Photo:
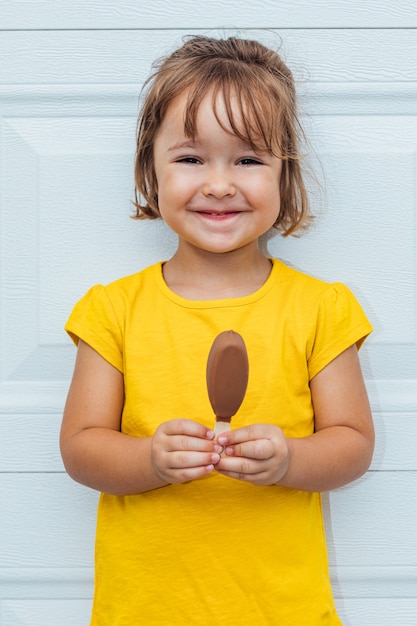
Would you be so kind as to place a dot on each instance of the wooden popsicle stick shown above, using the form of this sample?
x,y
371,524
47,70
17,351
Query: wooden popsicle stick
x,y
221,427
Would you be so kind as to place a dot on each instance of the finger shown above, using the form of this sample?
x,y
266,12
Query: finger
x,y
189,474
240,466
240,435
187,427
261,449
186,460
185,443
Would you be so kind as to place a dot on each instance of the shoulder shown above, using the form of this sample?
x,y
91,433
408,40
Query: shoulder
x,y
122,293
99,317
295,279
145,278
298,283
113,300
317,301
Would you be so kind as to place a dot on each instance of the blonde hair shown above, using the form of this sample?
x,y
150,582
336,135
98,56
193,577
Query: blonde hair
x,y
266,102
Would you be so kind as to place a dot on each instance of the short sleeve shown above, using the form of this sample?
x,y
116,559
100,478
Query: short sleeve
x,y
93,319
341,322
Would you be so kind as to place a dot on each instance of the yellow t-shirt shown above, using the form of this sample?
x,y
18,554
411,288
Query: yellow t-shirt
x,y
215,551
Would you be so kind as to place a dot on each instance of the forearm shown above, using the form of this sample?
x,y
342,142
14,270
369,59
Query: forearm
x,y
327,459
110,461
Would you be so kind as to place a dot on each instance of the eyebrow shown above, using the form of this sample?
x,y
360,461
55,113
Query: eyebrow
x,y
189,143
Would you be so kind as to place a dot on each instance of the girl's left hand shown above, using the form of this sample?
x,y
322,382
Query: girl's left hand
x,y
258,454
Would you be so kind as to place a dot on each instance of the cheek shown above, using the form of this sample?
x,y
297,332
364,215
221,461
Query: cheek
x,y
273,201
270,189
163,187
171,196
176,188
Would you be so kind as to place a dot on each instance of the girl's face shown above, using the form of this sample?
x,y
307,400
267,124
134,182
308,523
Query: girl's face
x,y
214,191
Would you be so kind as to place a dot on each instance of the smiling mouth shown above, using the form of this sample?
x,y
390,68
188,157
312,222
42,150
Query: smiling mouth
x,y
218,214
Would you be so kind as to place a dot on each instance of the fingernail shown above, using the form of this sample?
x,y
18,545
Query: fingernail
x,y
218,449
215,458
210,434
222,440
229,451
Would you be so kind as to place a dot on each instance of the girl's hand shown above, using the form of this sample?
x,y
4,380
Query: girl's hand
x,y
183,450
258,454
339,450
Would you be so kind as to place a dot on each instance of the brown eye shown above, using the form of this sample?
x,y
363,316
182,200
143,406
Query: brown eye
x,y
250,161
191,160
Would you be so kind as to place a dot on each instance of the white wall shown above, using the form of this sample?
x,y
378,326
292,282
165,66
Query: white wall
x,y
70,74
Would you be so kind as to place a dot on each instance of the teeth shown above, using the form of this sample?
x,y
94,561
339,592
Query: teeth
x,y
216,213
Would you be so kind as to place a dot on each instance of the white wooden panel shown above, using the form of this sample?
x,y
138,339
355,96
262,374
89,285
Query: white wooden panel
x,y
35,398
366,523
388,612
36,582
398,581
30,443
395,437
209,14
79,57
50,522
31,612
359,98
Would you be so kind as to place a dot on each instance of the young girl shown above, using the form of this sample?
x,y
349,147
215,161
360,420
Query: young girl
x,y
193,529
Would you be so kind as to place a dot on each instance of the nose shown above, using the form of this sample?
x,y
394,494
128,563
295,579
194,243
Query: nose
x,y
219,183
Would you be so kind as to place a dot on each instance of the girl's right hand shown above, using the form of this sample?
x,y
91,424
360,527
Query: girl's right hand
x,y
183,450
97,454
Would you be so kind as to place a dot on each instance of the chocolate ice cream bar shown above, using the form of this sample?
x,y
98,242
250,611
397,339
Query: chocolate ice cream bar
x,y
227,377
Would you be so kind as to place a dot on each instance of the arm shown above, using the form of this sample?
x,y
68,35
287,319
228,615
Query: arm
x,y
339,451
97,454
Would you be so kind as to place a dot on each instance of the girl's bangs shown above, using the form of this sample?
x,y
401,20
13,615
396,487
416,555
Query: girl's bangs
x,y
252,118
250,114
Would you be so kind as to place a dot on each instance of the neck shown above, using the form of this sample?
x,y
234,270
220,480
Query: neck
x,y
203,275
